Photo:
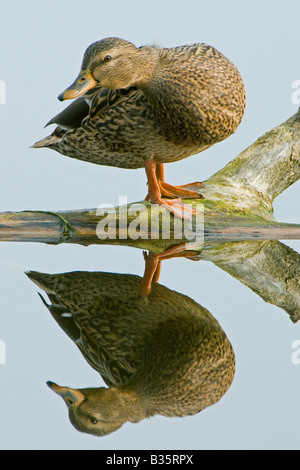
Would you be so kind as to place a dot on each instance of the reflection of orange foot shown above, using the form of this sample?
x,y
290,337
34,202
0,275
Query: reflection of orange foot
x,y
153,264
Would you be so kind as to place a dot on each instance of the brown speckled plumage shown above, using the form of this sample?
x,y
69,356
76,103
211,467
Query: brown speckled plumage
x,y
164,354
172,103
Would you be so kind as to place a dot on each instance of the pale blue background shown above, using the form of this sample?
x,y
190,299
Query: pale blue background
x,y
42,44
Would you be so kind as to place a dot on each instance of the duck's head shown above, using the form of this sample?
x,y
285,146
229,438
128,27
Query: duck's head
x,y
112,63
99,411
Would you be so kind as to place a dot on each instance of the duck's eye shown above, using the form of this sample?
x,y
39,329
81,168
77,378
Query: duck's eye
x,y
93,421
107,58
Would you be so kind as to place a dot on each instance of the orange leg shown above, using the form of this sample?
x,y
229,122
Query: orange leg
x,y
187,191
158,188
153,265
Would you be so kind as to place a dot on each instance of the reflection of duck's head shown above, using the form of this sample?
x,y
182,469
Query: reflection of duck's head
x,y
161,355
99,411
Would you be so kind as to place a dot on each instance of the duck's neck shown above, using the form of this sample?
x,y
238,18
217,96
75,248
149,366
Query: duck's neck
x,y
135,406
147,67
130,404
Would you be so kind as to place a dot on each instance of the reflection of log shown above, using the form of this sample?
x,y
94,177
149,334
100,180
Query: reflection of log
x,y
270,268
237,204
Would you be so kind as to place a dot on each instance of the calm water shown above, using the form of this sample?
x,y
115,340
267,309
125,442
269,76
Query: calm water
x,y
251,289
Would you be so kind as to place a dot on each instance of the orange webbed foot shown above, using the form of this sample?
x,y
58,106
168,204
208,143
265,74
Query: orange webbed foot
x,y
176,207
186,192
158,189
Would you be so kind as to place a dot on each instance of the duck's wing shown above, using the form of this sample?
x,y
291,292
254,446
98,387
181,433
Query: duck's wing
x,y
115,369
85,321
92,104
104,98
87,107
72,116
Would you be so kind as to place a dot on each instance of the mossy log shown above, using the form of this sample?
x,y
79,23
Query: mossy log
x,y
237,204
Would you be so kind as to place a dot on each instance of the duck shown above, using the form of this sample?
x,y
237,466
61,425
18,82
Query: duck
x,y
142,107
161,355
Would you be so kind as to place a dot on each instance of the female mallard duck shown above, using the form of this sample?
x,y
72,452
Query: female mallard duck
x,y
165,356
146,106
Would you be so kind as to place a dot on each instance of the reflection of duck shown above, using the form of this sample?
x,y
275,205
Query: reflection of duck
x,y
164,354
148,106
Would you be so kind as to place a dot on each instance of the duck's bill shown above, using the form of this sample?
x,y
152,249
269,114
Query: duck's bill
x,y
71,396
83,83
